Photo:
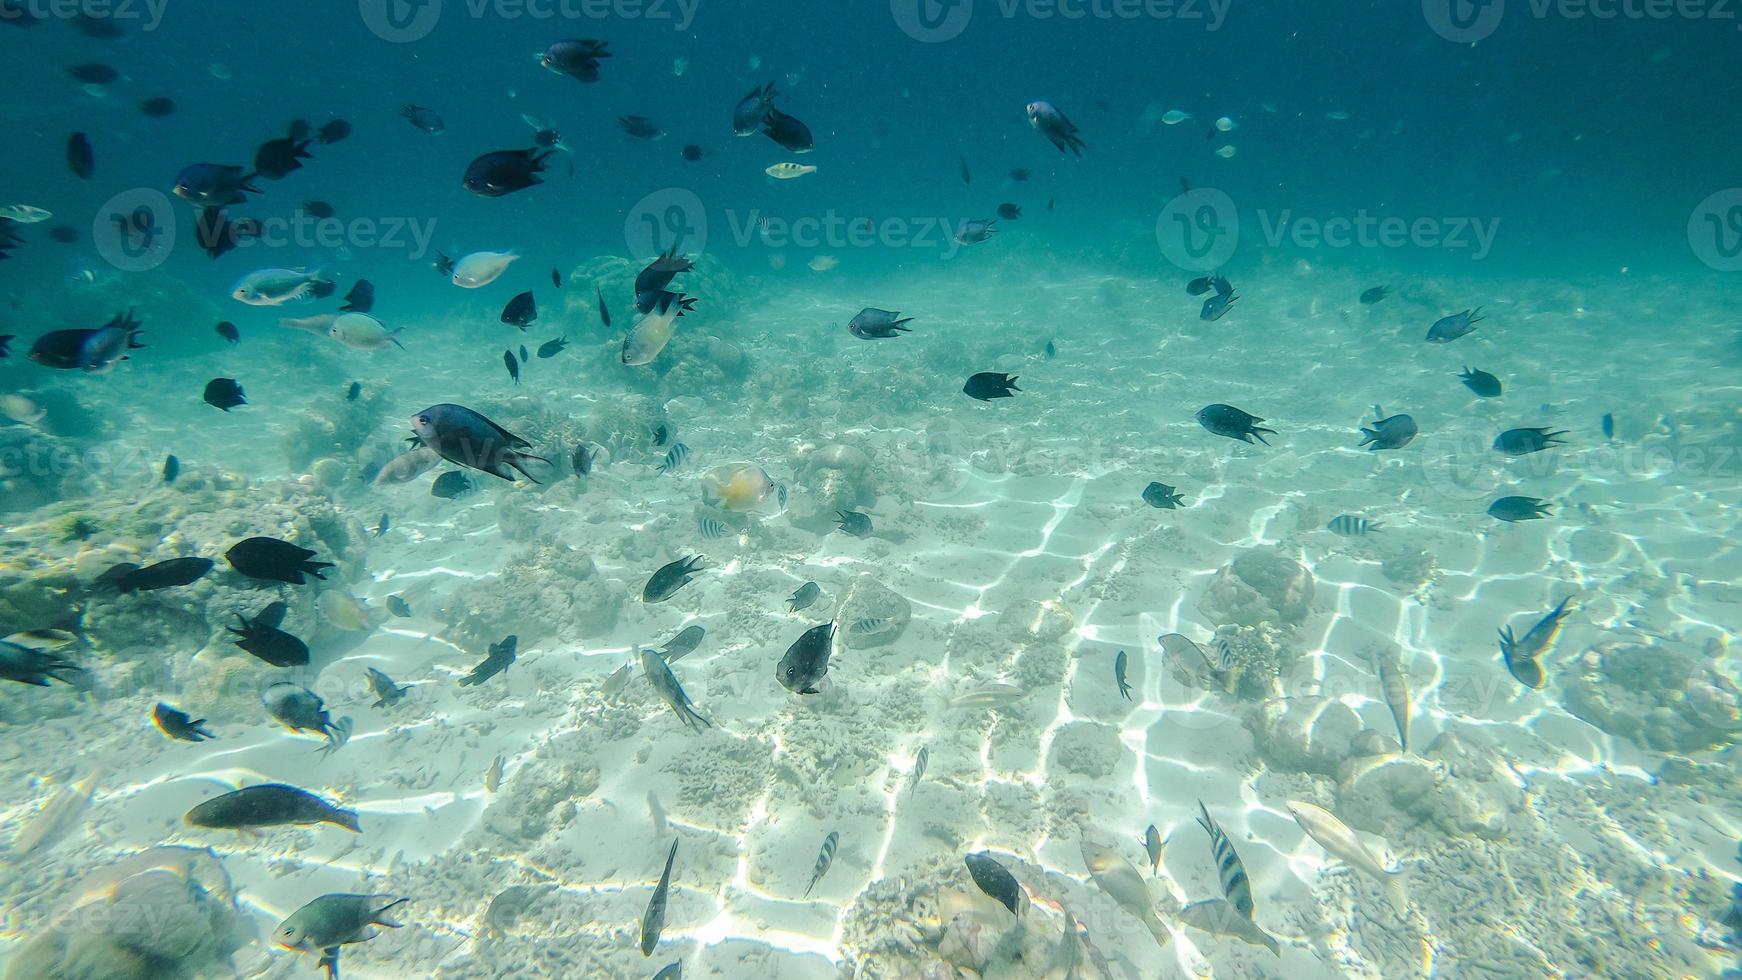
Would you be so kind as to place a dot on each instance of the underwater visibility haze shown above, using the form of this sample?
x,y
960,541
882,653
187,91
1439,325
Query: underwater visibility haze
x,y
909,490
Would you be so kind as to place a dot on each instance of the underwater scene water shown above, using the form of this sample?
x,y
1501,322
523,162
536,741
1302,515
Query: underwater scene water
x,y
914,489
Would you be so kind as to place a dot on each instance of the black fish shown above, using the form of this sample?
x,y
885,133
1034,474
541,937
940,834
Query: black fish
x,y
334,131
513,365
578,59
520,311
1388,433
228,331
1009,212
81,159
604,313
988,385
1051,350
171,469
1019,175
424,119
95,73
501,656
28,665
1052,124
1375,294
279,158
1514,509
158,107
382,527
460,435
582,461
1201,285
1161,495
504,172
995,880
261,637
6,340
524,356
556,278
1226,420
1609,426
748,114
1485,385
653,920
804,597
639,127
217,234
224,393
164,575
967,178
361,298
398,607
807,661
792,134
651,281
661,434
269,805
692,152
451,485
852,522
178,724
1119,663
387,693
113,576
1522,442
272,560
354,392
672,576
874,324
90,349
214,184
552,348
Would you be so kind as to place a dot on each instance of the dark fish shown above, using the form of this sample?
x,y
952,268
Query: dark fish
x,y
807,661
665,683
1161,495
272,560
1374,295
398,607
179,725
578,59
1449,328
513,365
424,119
711,528
692,152
1522,442
805,597
548,139
661,433
651,281
158,107
674,458
361,298
748,114
460,435
640,127
165,574
1394,432
214,184
6,340
653,920
228,331
1201,285
1217,306
852,522
1513,509
444,266
552,348
224,393
95,73
501,656
302,710
333,131
331,921
81,159
279,158
1229,868
1609,427
520,311
683,644
671,577
94,351
995,880
1485,385
261,637
1050,350
383,526
65,234
1226,420
301,129
604,313
103,28
524,356
1522,655
1119,663
1009,212
504,172
790,133
825,857
1052,124
1349,526
967,178
269,805
988,385
354,392
556,278
171,469
1019,175
582,461
28,665
451,485
217,234
875,324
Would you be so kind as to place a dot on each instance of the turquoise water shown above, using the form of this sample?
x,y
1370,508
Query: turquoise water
x,y
1310,661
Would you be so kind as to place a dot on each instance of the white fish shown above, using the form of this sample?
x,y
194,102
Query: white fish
x,y
275,287
1218,917
320,323
1226,152
1225,125
1396,688
345,611
1335,836
990,696
1124,884
823,263
220,71
755,62
653,330
21,409
679,66
57,815
407,466
481,268
1337,116
360,331
24,214
1173,117
493,775
788,170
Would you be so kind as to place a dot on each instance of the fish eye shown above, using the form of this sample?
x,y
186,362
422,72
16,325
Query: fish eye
x,y
423,420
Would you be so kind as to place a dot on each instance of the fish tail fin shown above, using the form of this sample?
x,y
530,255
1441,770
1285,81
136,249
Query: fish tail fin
x,y
514,459
394,336
1396,886
347,819
381,917
897,325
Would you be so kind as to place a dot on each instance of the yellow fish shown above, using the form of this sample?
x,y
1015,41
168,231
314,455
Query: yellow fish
x,y
787,171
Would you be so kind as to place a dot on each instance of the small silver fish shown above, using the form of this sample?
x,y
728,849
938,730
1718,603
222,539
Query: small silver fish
x,y
825,857
990,696
670,691
493,775
1155,846
1396,688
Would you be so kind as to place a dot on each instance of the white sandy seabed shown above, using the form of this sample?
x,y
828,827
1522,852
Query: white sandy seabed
x,y
1015,533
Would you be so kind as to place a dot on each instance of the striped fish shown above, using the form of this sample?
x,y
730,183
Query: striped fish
x,y
1224,655
919,762
712,528
1234,882
780,494
865,627
1349,526
675,457
825,857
